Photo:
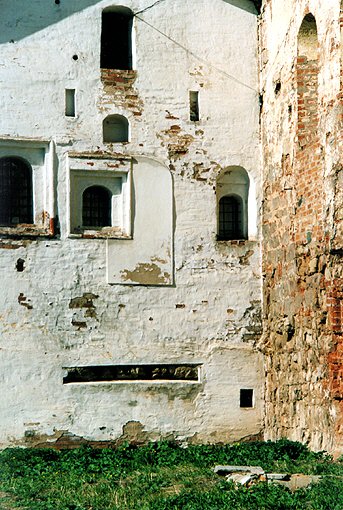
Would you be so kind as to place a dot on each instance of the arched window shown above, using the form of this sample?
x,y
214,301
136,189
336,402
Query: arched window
x,y
307,82
230,218
15,192
232,204
115,129
96,207
116,38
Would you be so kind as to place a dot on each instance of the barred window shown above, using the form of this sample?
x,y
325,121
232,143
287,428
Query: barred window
x,y
16,203
96,207
230,218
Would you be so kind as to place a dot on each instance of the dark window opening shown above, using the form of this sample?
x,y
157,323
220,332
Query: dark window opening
x,y
109,373
246,398
116,40
96,207
230,218
194,106
16,204
115,129
70,102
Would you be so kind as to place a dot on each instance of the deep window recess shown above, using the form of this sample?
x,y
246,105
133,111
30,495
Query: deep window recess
x,y
230,218
108,373
96,207
15,192
116,39
194,106
246,398
115,129
70,102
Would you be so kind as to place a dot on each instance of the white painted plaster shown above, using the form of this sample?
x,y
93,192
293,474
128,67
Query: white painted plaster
x,y
204,314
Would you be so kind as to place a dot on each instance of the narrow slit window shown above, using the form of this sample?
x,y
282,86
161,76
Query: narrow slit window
x,y
96,207
116,39
246,398
194,106
16,201
115,373
70,102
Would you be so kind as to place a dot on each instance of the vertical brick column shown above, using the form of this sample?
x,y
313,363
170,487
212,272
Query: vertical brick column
x,y
309,178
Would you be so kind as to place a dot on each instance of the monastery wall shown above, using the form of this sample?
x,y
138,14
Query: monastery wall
x,y
146,328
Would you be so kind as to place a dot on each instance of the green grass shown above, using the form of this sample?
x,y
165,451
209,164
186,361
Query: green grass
x,y
163,476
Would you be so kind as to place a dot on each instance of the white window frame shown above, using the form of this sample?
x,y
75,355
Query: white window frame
x,y
39,153
111,173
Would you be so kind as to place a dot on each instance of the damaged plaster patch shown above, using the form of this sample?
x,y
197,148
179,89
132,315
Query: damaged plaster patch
x,y
253,330
177,143
85,301
146,274
24,301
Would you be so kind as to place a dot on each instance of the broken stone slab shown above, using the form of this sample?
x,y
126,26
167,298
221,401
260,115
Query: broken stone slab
x,y
298,481
242,479
277,476
226,470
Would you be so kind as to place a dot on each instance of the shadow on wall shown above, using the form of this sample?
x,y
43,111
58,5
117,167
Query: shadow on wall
x,y
22,18
253,6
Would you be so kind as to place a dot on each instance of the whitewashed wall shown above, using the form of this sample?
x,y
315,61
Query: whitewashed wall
x,y
208,309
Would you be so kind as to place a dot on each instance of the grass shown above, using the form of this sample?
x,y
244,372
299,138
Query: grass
x,y
164,476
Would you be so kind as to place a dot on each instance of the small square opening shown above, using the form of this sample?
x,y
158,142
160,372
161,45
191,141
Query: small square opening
x,y
246,398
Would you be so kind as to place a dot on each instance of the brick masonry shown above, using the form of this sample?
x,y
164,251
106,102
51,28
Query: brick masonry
x,y
302,232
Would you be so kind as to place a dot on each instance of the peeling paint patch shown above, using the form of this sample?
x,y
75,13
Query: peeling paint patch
x,y
146,274
85,301
244,259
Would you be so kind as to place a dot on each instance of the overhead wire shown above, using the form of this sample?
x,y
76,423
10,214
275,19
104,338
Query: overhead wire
x,y
190,52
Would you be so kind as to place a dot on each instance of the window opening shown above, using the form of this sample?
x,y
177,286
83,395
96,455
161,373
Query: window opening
x,y
70,102
116,39
194,106
16,204
107,373
230,218
246,398
115,129
96,207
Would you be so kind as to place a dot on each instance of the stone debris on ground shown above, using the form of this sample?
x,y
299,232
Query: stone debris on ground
x,y
250,475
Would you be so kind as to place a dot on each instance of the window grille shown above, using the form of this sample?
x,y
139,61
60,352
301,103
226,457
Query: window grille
x,y
96,207
230,218
16,204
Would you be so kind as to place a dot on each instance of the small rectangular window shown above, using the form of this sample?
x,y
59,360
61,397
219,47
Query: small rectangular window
x,y
194,106
246,398
70,103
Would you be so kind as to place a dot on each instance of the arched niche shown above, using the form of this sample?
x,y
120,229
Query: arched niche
x,y
307,71
147,259
115,129
308,38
